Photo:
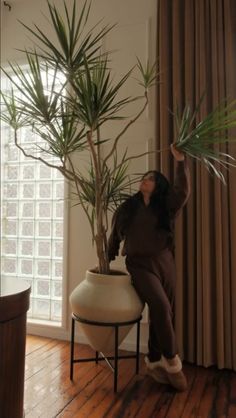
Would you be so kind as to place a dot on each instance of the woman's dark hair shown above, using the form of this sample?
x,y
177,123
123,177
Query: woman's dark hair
x,y
157,202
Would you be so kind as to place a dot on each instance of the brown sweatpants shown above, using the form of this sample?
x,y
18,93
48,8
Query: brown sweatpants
x,y
154,279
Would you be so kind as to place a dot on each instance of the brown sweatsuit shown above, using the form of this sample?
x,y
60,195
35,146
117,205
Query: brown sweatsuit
x,y
150,262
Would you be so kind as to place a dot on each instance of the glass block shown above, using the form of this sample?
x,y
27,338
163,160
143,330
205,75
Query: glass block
x,y
11,209
12,173
59,190
44,210
44,248
9,246
27,209
58,175
58,229
28,190
26,135
45,191
10,227
59,208
11,191
9,265
27,247
41,308
7,133
44,229
4,192
43,268
56,310
57,289
26,267
28,172
3,209
43,288
27,228
28,280
58,269
13,154
58,249
45,172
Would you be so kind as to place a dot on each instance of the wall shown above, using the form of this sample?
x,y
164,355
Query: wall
x,y
134,34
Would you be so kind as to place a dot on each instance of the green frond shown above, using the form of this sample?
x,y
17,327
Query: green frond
x,y
11,113
72,43
202,140
95,97
149,74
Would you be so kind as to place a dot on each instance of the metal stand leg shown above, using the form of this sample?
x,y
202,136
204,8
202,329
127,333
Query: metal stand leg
x,y
137,347
99,355
116,358
72,348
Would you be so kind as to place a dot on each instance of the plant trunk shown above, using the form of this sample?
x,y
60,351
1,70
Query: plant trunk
x,y
101,233
103,261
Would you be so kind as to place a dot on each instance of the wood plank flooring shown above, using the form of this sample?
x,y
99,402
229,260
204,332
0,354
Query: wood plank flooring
x,y
49,392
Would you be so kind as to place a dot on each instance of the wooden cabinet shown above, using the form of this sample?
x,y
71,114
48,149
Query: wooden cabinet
x,y
14,303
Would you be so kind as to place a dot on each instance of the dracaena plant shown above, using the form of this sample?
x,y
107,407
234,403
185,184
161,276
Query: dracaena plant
x,y
69,113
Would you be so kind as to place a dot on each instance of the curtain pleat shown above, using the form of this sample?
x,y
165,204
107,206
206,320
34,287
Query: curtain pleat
x,y
196,52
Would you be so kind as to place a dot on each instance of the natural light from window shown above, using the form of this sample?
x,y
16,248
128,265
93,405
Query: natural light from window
x,y
32,210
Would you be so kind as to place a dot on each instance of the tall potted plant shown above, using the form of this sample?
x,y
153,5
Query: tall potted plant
x,y
68,116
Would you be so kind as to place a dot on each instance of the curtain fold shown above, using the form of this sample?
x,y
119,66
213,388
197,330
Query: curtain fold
x,y
196,52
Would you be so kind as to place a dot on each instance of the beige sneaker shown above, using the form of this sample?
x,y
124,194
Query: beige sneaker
x,y
156,370
174,374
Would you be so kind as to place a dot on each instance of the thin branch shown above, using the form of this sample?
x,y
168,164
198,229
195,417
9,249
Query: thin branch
x,y
125,129
99,149
138,156
36,158
97,173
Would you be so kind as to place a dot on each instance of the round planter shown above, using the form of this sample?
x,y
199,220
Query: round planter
x,y
105,298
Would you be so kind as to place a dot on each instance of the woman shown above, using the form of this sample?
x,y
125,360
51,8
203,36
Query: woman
x,y
145,222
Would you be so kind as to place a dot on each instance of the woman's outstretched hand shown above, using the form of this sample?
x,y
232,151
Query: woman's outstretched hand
x,y
179,156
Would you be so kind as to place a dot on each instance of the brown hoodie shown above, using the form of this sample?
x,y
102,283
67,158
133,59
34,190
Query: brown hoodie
x,y
143,236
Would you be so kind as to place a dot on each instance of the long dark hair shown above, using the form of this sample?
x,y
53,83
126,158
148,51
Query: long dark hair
x,y
157,202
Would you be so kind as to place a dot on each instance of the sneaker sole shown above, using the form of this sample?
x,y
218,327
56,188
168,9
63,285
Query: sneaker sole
x,y
178,381
159,375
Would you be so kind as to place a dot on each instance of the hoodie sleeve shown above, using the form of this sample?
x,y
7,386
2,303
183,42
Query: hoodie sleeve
x,y
114,239
180,191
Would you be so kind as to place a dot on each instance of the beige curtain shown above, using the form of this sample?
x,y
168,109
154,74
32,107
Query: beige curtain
x,y
196,49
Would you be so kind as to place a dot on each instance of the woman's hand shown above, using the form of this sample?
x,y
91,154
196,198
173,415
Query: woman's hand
x,y
179,156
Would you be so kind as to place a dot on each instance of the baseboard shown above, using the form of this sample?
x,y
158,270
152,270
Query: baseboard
x,y
62,334
49,331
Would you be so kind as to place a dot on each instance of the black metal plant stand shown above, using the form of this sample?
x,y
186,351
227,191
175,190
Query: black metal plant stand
x,y
97,358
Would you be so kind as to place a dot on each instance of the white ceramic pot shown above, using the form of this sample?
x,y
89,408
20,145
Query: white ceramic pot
x,y
105,298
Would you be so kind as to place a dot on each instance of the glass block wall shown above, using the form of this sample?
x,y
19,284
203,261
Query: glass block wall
x,y
32,208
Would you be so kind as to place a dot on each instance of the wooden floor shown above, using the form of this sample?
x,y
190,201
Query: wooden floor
x,y
49,392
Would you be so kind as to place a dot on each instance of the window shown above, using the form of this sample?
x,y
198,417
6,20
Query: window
x,y
32,210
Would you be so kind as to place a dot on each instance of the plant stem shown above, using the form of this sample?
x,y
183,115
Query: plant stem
x,y
125,129
100,237
139,156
